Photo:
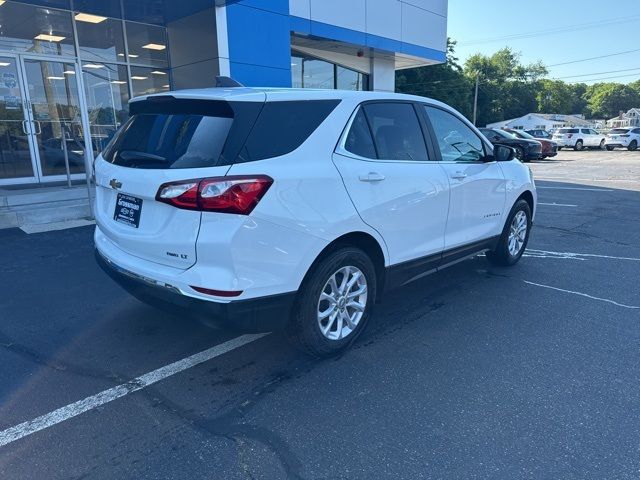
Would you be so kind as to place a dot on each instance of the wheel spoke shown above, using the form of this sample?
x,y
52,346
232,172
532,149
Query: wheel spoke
x,y
332,320
340,325
326,313
356,306
328,298
333,285
352,282
345,279
357,293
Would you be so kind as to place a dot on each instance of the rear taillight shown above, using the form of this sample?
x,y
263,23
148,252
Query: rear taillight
x,y
234,194
569,135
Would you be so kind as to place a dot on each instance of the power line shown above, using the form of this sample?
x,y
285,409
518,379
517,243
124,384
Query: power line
x,y
551,31
594,58
598,73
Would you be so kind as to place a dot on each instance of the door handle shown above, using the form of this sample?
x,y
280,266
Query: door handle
x,y
24,127
459,176
372,177
39,131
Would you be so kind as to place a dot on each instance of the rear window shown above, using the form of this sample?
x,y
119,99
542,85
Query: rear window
x,y
619,130
568,130
170,133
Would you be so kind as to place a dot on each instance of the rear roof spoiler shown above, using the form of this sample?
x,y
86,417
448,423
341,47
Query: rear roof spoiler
x,y
227,82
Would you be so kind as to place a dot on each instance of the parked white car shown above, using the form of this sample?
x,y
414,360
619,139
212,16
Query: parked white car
x,y
578,138
628,137
295,209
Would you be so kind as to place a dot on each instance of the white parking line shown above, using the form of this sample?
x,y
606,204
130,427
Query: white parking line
x,y
576,188
581,294
530,252
74,409
557,204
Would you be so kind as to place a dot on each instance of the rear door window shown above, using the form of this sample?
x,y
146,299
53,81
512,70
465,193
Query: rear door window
x,y
396,131
283,126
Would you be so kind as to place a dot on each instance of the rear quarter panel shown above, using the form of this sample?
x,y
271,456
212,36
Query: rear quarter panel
x,y
307,206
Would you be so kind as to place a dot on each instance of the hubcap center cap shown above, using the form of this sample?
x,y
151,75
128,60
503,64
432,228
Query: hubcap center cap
x,y
342,303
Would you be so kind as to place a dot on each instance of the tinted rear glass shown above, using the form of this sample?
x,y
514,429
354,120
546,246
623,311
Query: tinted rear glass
x,y
169,133
568,130
284,126
619,130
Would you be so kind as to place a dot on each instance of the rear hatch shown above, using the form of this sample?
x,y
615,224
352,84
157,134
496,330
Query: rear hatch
x,y
565,133
616,133
166,140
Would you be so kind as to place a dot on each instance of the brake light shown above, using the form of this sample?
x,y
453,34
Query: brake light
x,y
569,135
234,194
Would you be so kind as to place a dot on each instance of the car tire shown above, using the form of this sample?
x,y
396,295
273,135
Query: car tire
x,y
579,146
610,147
325,321
515,236
633,146
601,144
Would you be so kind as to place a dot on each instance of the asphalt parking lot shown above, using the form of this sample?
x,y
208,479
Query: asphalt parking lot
x,y
475,372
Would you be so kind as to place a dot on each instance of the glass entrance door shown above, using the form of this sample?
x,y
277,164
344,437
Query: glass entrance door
x,y
15,149
55,118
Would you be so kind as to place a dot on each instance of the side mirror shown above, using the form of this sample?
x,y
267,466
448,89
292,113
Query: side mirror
x,y
502,153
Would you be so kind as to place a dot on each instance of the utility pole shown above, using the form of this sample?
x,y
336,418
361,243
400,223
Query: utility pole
x,y
475,99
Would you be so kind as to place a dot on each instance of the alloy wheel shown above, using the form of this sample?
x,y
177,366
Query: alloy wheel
x,y
517,233
342,303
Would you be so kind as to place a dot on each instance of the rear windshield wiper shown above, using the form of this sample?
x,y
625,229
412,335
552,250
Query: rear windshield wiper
x,y
129,155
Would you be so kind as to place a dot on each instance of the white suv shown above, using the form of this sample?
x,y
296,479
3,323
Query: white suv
x,y
295,209
627,137
578,138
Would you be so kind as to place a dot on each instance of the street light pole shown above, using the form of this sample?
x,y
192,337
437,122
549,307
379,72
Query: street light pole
x,y
475,100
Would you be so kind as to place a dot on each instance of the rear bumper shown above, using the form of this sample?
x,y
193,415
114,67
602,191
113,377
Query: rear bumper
x,y
252,315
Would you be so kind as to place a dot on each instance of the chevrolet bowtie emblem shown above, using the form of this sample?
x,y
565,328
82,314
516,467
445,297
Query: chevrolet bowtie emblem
x,y
115,184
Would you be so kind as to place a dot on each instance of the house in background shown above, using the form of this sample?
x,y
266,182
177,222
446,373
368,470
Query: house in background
x,y
629,119
547,121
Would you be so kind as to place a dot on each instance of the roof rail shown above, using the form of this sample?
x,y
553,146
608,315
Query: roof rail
x,y
227,82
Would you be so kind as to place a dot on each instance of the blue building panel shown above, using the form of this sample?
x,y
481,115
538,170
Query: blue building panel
x,y
259,42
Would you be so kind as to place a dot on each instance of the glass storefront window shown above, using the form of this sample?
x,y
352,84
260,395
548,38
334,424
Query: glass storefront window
x,y
146,81
56,113
25,28
147,44
107,93
310,72
100,38
350,79
15,160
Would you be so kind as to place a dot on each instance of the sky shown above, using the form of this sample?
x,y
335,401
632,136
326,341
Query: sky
x,y
554,31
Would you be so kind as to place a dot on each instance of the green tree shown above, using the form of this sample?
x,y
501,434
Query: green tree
x,y
445,82
607,100
508,88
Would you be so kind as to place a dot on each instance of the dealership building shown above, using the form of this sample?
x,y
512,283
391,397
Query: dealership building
x,y
69,67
